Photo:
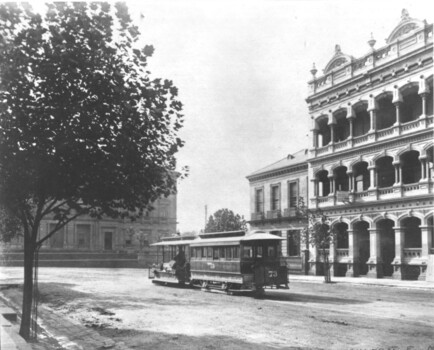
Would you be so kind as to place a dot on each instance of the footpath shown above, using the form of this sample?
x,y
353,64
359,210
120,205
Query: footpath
x,y
59,333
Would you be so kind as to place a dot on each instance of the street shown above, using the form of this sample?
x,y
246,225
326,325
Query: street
x,y
123,304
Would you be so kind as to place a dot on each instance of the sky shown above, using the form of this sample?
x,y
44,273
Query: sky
x,y
242,69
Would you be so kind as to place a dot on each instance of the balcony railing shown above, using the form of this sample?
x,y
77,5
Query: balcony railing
x,y
290,212
274,214
385,193
379,135
341,252
257,216
412,253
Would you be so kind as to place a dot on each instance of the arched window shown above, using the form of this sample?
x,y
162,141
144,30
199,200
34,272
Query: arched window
x,y
411,167
385,172
323,183
342,126
386,111
341,178
361,177
411,106
361,124
341,230
324,134
430,162
412,232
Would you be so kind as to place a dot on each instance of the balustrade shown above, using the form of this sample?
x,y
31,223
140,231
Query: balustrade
x,y
412,253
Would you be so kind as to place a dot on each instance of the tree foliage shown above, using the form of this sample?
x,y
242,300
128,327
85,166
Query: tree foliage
x,y
318,233
225,220
84,129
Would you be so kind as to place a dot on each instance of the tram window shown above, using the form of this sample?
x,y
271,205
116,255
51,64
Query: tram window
x,y
247,251
259,253
209,254
222,253
271,251
236,252
229,253
215,254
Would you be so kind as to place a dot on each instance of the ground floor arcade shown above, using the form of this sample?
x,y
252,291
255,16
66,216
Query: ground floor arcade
x,y
379,245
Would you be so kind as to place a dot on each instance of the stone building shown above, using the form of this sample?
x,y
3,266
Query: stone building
x,y
274,195
107,242
371,161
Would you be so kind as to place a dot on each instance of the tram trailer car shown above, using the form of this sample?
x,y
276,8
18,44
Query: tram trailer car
x,y
227,261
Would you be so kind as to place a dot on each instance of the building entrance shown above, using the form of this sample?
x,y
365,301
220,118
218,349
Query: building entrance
x,y
387,242
108,240
363,245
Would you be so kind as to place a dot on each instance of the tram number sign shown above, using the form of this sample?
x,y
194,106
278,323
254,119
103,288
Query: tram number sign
x,y
272,274
211,266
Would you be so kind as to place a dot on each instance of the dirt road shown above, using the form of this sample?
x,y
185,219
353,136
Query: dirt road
x,y
124,305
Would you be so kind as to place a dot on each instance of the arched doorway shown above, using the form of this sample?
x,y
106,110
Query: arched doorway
x,y
387,245
342,245
361,235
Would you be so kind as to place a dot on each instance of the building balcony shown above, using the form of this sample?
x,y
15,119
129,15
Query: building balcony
x,y
375,194
379,135
275,215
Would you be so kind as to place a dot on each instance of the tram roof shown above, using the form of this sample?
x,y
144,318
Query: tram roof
x,y
260,236
178,242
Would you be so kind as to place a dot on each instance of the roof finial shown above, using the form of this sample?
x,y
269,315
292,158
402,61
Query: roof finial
x,y
313,70
372,41
337,49
404,15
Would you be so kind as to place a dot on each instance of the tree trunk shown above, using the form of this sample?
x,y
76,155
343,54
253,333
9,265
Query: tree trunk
x,y
29,253
327,278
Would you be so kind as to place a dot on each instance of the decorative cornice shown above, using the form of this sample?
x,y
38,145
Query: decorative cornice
x,y
279,172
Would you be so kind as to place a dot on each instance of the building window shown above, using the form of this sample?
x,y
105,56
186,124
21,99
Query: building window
x,y
294,243
83,235
259,200
275,197
293,194
56,240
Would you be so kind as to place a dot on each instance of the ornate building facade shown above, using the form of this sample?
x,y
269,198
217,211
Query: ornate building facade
x,y
370,166
371,161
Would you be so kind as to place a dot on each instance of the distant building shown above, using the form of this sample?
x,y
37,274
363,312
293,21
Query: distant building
x,y
371,161
107,242
274,195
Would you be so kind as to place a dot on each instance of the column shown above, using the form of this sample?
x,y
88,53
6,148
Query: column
x,y
315,139
332,258
398,173
399,254
332,133
353,256
375,262
397,100
423,96
332,184
423,168
372,174
398,118
372,113
426,244
350,180
423,92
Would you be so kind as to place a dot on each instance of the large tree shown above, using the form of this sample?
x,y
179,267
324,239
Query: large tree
x,y
225,220
84,129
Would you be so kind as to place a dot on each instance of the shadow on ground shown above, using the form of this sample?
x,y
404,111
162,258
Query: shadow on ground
x,y
163,341
310,298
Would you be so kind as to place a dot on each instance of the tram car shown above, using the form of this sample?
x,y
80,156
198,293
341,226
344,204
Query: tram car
x,y
226,261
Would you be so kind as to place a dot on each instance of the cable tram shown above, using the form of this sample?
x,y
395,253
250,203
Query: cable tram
x,y
226,261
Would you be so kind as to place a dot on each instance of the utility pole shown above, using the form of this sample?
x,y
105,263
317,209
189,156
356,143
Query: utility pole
x,y
206,216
